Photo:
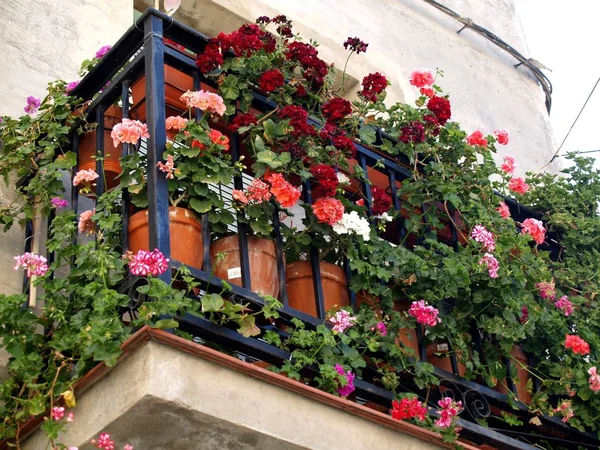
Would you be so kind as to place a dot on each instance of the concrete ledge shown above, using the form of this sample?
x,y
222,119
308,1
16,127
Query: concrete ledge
x,y
167,392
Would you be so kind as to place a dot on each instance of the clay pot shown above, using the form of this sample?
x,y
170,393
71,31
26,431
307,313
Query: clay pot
x,y
112,156
300,290
185,235
522,374
176,83
264,277
442,361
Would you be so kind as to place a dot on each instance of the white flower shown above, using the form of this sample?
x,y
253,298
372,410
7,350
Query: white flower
x,y
385,217
353,223
343,180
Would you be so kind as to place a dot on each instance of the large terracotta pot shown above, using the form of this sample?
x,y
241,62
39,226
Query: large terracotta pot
x,y
112,156
176,83
185,235
264,277
522,374
442,361
300,290
407,336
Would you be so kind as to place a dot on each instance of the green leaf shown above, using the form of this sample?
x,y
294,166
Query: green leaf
x,y
212,302
367,134
248,327
201,206
270,130
166,323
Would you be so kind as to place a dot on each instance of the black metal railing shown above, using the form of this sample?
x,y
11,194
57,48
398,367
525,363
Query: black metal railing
x,y
142,52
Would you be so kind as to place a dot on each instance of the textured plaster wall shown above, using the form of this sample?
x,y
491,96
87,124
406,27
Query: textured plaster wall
x,y
487,92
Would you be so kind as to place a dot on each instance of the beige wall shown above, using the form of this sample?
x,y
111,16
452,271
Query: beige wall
x,y
43,40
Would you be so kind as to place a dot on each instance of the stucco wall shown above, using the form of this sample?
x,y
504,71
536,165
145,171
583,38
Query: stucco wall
x,y
41,41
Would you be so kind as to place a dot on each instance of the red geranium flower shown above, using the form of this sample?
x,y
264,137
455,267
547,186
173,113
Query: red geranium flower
x,y
373,84
328,210
242,120
518,185
413,132
408,408
440,107
270,80
326,178
576,344
476,138
286,194
211,58
336,109
421,78
382,202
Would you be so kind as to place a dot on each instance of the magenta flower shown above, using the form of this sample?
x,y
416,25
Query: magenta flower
x,y
34,264
546,289
491,263
59,203
72,85
342,320
424,314
594,379
355,45
524,315
128,447
381,328
346,390
482,235
449,410
145,263
565,305
33,103
58,412
103,51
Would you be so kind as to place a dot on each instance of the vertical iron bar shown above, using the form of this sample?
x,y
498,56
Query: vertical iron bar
x,y
124,152
351,293
365,184
100,150
238,183
509,381
421,342
536,380
158,194
397,205
453,361
453,228
280,258
315,264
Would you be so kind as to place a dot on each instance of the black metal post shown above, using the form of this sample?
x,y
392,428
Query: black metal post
x,y
365,185
158,195
100,150
124,152
397,205
315,264
280,258
238,183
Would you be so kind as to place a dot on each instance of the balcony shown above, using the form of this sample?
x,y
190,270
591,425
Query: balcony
x,y
138,73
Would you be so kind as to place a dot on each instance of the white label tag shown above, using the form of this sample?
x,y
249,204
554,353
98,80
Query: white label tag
x,y
442,347
236,272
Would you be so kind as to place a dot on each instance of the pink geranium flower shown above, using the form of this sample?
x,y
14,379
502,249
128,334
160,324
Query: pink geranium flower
x,y
342,320
535,229
424,314
476,138
86,225
58,412
348,388
501,136
145,263
33,103
509,165
129,131
518,185
480,234
205,101
381,328
546,289
175,123
85,177
449,410
594,379
168,167
565,305
421,78
491,263
34,264
503,210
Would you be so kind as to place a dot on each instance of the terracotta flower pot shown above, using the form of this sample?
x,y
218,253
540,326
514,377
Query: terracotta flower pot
x,y
176,83
112,156
407,336
522,374
443,361
300,290
185,234
263,263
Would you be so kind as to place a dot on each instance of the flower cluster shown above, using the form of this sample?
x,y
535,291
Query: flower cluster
x,y
440,107
373,85
508,166
491,263
325,178
86,225
503,210
270,80
347,388
414,133
339,139
258,191
175,123
449,410
211,58
408,408
328,210
59,203
565,305
102,51
336,109
168,167
355,45
315,69
546,289
352,223
518,185
480,234
33,103
246,40
85,178
501,136
70,86
477,138
285,193
381,328
594,379
298,120
381,201
342,320
204,101
145,263
242,120
217,138
129,131
576,344
422,78
535,229
424,314
565,410
57,413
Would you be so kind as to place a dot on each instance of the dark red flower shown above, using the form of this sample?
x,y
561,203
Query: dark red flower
x,y
270,80
355,45
242,120
326,178
381,202
210,59
263,20
373,84
524,315
440,107
413,132
336,109
338,139
284,26
246,40
295,149
300,91
298,120
305,55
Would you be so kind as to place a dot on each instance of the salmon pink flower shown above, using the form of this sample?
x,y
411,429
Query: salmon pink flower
x,y
219,138
85,178
546,289
145,263
491,263
424,314
534,228
342,320
176,123
480,234
576,344
565,410
129,131
518,185
348,388
58,412
421,78
86,225
168,167
503,210
427,92
594,379
476,138
328,210
285,193
205,101
408,408
239,196
258,191
501,136
509,165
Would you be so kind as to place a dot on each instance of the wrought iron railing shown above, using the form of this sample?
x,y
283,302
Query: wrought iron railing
x,y
142,52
